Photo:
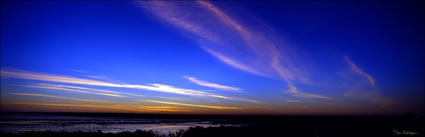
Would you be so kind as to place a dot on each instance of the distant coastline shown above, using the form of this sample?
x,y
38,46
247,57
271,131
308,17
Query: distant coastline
x,y
208,125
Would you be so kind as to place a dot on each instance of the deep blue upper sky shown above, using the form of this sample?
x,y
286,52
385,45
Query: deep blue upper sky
x,y
213,57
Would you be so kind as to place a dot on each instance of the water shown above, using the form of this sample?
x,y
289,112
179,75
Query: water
x,y
16,123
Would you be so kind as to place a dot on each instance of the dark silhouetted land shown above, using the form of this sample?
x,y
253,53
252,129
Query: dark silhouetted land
x,y
269,126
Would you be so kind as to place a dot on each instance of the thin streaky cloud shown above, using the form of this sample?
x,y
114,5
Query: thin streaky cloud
x,y
265,58
166,108
57,97
257,43
170,16
171,12
114,108
73,80
234,63
226,19
356,69
76,87
236,99
60,87
191,105
81,81
293,90
55,78
91,89
211,85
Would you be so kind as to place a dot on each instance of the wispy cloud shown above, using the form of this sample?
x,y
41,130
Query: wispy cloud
x,y
236,99
113,107
55,78
211,85
67,88
192,105
166,109
57,97
293,90
84,90
109,108
367,92
222,36
81,81
359,71
234,63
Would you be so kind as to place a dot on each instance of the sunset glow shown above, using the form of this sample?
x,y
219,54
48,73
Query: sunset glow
x,y
212,57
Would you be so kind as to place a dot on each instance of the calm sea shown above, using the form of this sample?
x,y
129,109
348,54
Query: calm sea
x,y
21,122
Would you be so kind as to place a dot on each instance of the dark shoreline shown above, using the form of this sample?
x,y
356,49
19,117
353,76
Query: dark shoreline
x,y
243,131
258,125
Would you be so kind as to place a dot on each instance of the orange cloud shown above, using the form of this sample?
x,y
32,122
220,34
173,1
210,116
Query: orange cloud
x,y
191,105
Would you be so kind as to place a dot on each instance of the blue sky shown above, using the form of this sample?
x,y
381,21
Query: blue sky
x,y
206,57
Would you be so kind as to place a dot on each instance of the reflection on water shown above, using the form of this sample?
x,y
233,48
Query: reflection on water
x,y
108,125
110,128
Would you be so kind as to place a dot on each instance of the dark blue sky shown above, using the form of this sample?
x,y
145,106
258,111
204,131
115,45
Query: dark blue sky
x,y
294,57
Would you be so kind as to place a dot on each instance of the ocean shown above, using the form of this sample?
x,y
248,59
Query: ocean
x,y
107,123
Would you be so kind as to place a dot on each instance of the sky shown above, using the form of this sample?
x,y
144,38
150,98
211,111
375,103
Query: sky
x,y
213,57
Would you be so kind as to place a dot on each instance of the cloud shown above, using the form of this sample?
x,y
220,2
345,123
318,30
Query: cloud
x,y
73,80
83,90
293,90
359,71
191,105
234,63
66,88
167,12
236,99
246,49
111,108
57,97
114,107
367,92
55,78
166,109
205,26
211,85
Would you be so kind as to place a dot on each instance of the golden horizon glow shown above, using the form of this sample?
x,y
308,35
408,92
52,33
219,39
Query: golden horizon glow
x,y
192,105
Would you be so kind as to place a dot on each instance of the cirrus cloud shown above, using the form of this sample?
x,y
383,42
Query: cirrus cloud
x,y
211,85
